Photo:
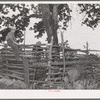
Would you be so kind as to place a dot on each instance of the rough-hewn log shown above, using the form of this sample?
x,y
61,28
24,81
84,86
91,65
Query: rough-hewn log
x,y
74,62
26,71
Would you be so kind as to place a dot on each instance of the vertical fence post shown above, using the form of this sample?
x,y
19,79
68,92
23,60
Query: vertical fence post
x,y
24,40
63,46
26,72
5,46
87,48
50,57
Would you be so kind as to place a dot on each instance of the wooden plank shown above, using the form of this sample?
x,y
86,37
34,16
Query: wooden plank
x,y
19,65
39,47
33,52
76,58
14,67
69,49
26,52
54,79
11,71
31,45
74,62
43,51
55,73
43,60
37,81
11,59
30,51
54,67
13,76
26,72
8,55
58,83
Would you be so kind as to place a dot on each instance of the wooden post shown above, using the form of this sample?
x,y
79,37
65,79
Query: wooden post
x,y
5,46
36,53
26,72
63,46
50,57
24,40
87,48
34,71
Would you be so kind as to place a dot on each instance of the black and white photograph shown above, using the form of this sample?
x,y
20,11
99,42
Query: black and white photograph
x,y
52,45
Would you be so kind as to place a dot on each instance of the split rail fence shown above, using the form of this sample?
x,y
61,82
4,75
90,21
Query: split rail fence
x,y
43,64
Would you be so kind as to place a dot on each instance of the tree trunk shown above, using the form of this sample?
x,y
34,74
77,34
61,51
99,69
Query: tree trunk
x,y
45,9
50,20
55,23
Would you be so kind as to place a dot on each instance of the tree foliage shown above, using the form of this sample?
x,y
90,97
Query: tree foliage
x,y
20,15
63,15
17,14
92,14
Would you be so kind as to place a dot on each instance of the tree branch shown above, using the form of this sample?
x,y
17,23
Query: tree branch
x,y
35,15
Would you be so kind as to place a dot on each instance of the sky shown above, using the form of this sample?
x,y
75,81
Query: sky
x,y
76,34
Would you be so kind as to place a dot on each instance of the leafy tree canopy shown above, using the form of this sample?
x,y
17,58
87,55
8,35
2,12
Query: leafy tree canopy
x,y
20,15
92,14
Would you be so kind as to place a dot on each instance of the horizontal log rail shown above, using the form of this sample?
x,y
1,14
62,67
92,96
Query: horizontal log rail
x,y
13,72
75,62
